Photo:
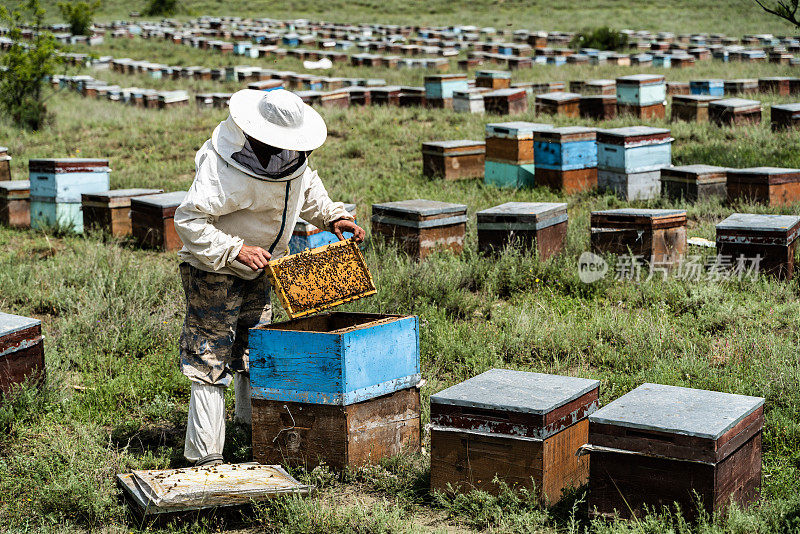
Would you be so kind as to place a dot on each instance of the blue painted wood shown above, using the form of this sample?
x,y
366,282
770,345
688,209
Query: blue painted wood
x,y
556,60
68,187
299,243
500,174
45,213
645,95
444,88
634,159
707,87
338,368
565,156
662,60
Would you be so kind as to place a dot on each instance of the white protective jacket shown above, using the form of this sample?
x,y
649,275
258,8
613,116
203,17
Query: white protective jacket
x,y
228,206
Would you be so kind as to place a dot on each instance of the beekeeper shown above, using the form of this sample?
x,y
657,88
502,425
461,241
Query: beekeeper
x,y
252,182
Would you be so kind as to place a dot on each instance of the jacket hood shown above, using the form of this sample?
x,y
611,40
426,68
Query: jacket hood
x,y
228,139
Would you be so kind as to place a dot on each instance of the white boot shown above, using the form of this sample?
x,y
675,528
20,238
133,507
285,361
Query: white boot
x,y
244,409
205,431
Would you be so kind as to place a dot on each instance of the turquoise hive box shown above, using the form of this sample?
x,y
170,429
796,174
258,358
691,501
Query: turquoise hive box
x,y
634,149
641,89
334,358
57,186
565,149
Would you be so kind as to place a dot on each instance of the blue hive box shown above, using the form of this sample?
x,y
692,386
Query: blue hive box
x,y
641,89
707,87
565,149
334,358
634,149
441,86
57,186
499,174
662,60
306,235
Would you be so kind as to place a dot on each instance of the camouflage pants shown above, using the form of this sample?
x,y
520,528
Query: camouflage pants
x,y
220,309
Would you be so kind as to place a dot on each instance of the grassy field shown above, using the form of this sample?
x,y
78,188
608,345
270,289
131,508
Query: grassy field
x,y
115,399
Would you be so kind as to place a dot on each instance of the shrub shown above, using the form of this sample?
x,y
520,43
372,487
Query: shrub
x,y
603,38
79,15
26,66
163,8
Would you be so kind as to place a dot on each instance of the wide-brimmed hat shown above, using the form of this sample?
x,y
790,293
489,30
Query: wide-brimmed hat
x,y
278,118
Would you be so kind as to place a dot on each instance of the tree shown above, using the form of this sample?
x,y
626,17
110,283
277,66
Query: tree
x,y
26,66
603,38
787,10
79,15
165,8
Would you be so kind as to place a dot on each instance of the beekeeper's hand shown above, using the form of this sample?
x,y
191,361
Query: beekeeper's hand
x,y
254,257
346,225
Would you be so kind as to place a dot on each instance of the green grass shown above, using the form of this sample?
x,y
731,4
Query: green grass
x,y
115,399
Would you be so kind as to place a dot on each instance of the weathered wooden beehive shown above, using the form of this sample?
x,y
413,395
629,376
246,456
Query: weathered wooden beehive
x,y
598,87
641,95
110,211
707,87
657,235
470,101
691,108
5,164
779,85
306,235
385,96
539,226
566,158
509,153
558,103
493,79
677,88
439,89
420,227
772,186
785,116
770,238
741,86
694,182
359,96
506,101
453,160
660,445
21,351
734,111
523,428
630,160
15,203
680,61
57,186
333,387
152,220
598,107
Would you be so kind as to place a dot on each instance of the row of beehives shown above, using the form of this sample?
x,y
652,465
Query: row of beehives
x,y
146,98
634,162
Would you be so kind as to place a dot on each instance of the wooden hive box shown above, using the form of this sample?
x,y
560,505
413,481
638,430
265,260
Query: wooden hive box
x,y
707,87
512,142
662,60
660,445
523,428
506,102
741,86
566,158
734,112
779,85
694,182
453,160
439,89
691,108
654,111
598,87
470,101
493,79
385,96
598,107
652,234
558,103
320,393
680,61
5,164
634,149
677,88
772,186
110,211
359,96
785,116
772,238
21,351
306,235
641,90
337,98
420,227
57,186
539,226
413,97
15,203
152,220
542,88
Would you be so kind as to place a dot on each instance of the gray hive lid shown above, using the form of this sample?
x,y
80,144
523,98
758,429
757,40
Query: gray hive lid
x,y
641,79
3,149
695,98
736,103
634,136
120,193
522,216
15,185
502,93
515,128
634,131
516,391
162,200
304,226
455,143
677,410
760,223
566,134
695,173
782,107
68,165
640,212
418,208
10,323
558,96
493,74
